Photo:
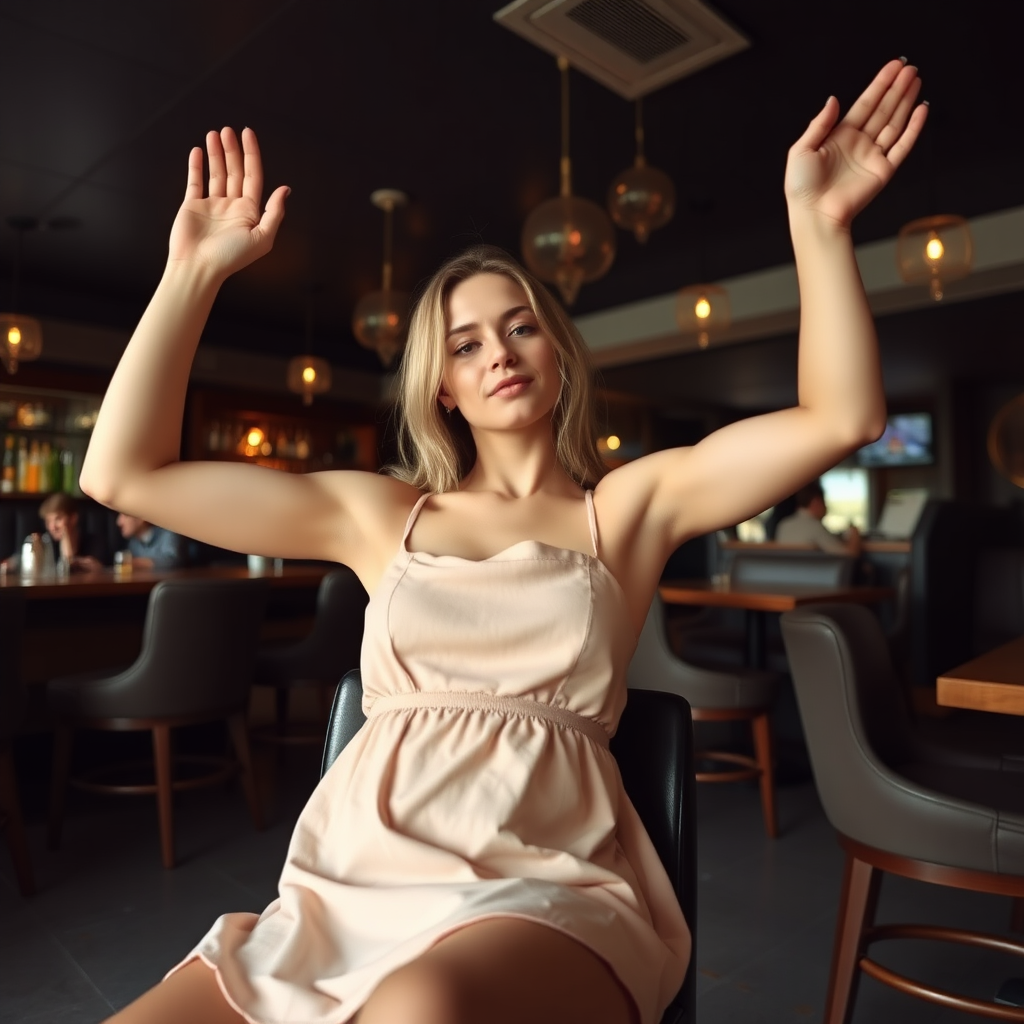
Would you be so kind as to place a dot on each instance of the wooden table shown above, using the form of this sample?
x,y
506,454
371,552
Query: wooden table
x,y
103,627
992,682
757,600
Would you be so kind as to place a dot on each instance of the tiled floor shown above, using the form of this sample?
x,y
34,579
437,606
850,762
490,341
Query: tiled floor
x,y
108,921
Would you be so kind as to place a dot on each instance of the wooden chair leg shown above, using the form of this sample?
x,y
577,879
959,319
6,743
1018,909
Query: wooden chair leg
x,y
764,754
164,791
11,806
857,905
240,738
63,740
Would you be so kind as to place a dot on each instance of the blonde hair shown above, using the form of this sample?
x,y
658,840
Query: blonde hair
x,y
435,449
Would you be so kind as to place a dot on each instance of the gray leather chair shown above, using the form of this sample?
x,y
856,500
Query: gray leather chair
x,y
738,694
899,802
196,665
320,658
12,713
653,747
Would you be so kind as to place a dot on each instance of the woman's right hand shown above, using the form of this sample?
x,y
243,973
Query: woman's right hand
x,y
225,231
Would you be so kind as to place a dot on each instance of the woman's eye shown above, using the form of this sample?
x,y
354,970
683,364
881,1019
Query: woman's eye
x,y
465,349
520,329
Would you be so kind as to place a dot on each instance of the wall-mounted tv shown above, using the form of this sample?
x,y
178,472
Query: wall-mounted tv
x,y
907,441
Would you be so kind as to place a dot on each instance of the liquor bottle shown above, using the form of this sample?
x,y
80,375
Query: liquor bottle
x,y
67,471
32,475
22,477
10,470
45,464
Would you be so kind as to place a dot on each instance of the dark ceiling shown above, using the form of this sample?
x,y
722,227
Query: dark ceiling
x,y
103,100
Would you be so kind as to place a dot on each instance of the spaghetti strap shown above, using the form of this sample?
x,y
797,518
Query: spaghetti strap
x,y
591,520
412,518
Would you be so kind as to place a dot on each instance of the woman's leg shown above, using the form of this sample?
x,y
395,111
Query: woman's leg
x,y
502,971
190,995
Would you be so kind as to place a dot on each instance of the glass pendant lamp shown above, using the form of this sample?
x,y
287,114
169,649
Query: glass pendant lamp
x,y
381,319
21,336
309,375
935,251
702,310
641,198
568,240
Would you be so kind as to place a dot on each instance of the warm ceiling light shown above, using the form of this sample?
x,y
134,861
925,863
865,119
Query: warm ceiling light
x,y
613,442
935,251
381,319
309,376
254,438
22,335
568,240
641,198
703,311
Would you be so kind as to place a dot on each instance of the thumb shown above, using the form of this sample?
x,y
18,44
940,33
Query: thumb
x,y
817,131
273,214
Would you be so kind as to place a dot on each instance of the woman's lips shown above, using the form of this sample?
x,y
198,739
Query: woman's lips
x,y
512,386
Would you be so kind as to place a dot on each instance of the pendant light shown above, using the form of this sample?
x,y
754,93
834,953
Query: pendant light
x,y
381,319
702,310
568,240
1006,441
641,198
21,336
309,375
935,251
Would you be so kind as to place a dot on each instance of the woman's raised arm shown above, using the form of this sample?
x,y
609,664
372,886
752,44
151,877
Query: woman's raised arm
x,y
833,172
132,461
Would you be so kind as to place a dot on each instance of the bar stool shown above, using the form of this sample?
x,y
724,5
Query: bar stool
x,y
196,665
12,713
319,659
738,694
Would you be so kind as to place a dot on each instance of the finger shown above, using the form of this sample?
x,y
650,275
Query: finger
x,y
274,213
859,113
905,143
218,172
194,184
817,131
894,129
252,182
232,162
889,102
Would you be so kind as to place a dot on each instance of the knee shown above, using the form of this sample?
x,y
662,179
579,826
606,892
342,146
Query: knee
x,y
420,993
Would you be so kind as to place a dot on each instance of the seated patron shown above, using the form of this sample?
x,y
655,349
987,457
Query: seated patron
x,y
152,547
805,525
84,551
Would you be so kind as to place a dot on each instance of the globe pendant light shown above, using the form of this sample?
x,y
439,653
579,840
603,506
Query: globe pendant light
x,y
1006,441
935,251
381,319
703,310
308,375
641,198
21,336
568,240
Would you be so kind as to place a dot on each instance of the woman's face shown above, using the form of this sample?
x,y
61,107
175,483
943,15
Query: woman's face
x,y
500,366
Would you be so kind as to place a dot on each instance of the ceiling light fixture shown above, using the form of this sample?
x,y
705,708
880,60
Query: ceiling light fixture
x,y
21,336
641,198
568,240
935,251
308,375
381,319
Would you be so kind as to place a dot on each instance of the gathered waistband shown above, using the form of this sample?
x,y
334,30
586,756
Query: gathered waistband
x,y
491,704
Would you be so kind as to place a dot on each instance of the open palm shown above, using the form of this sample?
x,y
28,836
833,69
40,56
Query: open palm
x,y
225,230
836,169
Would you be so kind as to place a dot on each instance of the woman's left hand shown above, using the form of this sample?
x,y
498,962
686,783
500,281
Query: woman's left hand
x,y
836,169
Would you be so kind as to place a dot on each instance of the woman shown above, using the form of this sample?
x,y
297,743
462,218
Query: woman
x,y
471,856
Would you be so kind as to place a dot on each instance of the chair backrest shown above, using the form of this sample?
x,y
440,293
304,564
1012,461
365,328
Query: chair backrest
x,y
198,648
855,719
333,644
13,698
654,750
810,569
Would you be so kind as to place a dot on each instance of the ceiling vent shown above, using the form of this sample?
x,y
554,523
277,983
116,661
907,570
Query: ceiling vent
x,y
631,46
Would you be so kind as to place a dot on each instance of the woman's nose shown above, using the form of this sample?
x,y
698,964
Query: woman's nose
x,y
502,354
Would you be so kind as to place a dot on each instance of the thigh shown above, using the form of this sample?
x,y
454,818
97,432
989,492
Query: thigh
x,y
503,971
191,994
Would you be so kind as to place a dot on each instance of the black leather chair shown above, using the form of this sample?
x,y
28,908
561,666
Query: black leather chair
x,y
318,659
726,695
196,665
900,803
654,750
12,712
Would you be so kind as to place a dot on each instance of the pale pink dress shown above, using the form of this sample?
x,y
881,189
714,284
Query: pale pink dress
x,y
481,786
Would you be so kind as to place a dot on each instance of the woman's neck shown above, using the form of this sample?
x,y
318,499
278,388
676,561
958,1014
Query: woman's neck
x,y
517,464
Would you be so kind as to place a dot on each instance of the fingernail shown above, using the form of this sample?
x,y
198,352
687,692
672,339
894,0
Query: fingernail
x,y
925,103
903,60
